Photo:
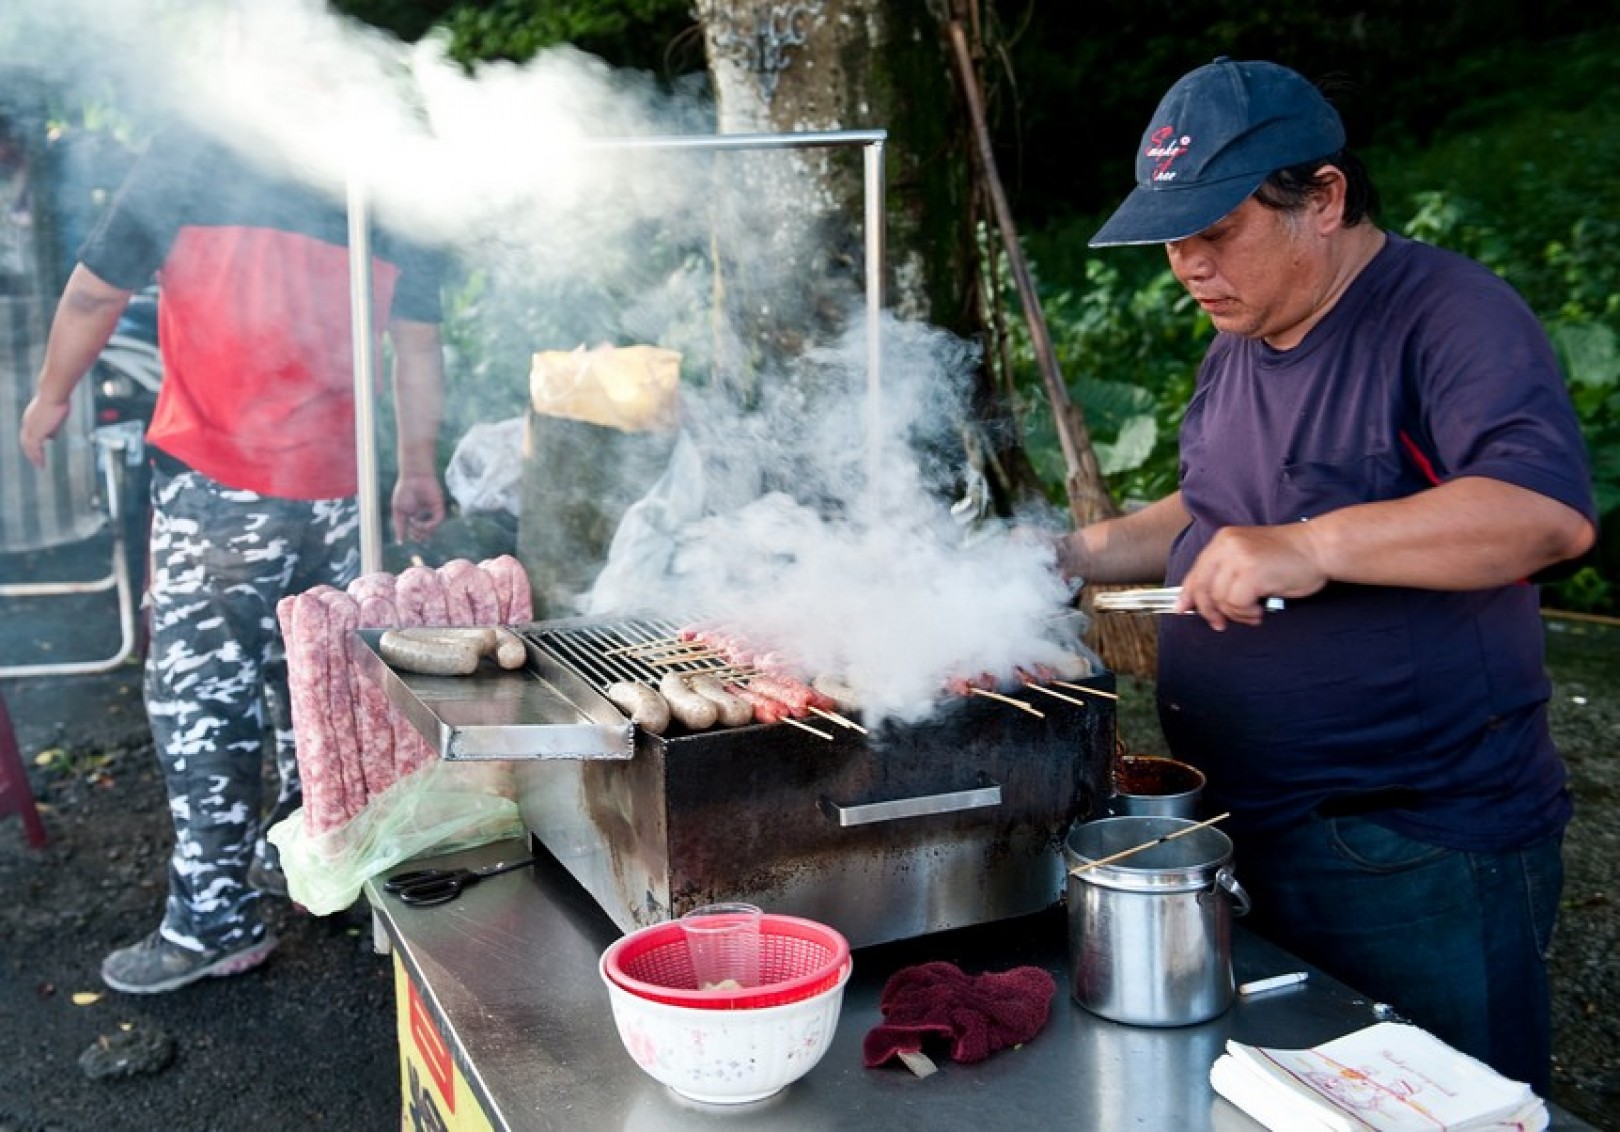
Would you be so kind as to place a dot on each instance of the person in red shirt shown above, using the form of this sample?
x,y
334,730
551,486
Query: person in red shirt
x,y
252,444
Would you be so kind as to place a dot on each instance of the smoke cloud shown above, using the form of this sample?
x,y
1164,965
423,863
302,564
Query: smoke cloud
x,y
825,527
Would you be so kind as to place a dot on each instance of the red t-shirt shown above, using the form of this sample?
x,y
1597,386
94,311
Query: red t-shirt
x,y
254,321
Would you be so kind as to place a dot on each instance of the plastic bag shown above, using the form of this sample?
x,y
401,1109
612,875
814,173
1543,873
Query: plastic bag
x,y
485,472
648,535
443,807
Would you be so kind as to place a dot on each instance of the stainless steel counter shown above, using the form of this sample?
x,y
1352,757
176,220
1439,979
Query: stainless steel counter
x,y
509,973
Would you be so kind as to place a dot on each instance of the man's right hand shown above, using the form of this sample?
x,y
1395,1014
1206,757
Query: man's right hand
x,y
41,421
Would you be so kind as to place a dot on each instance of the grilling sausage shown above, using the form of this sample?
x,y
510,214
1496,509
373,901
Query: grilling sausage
x,y
843,697
766,710
501,646
436,655
695,712
645,707
734,711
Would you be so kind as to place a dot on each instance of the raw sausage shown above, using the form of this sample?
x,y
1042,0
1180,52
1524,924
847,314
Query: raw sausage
x,y
695,712
420,597
305,630
512,588
363,776
457,596
645,707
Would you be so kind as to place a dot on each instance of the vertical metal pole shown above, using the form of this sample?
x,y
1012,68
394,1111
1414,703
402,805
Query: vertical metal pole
x,y
365,433
874,306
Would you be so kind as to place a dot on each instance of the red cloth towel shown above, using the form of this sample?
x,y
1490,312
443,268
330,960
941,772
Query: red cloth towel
x,y
978,1014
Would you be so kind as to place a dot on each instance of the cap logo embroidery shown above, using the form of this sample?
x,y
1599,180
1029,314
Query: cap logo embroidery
x,y
1164,145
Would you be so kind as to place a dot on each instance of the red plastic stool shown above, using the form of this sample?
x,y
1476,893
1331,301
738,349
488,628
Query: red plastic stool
x,y
15,795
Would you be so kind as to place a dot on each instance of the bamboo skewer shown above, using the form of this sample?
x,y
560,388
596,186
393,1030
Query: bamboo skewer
x,y
652,645
1020,704
672,659
1055,695
1086,690
806,727
840,720
1135,849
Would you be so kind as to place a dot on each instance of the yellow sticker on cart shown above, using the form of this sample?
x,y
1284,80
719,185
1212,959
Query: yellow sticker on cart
x,y
435,1095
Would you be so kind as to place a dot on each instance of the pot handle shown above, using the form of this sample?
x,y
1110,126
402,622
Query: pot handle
x,y
1225,881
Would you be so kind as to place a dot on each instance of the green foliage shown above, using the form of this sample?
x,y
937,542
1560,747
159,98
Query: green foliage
x,y
516,29
1128,340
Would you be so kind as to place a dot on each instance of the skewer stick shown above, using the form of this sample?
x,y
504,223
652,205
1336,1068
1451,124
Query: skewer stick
x,y
1056,695
840,720
1086,690
1020,704
806,727
635,646
1133,850
669,660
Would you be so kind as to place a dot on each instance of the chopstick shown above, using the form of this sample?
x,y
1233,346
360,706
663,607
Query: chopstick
x,y
1135,849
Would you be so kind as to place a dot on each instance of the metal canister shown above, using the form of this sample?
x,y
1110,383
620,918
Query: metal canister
x,y
1150,935
1155,786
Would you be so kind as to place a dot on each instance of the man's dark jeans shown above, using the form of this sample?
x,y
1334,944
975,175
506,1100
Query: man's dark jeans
x,y
1455,942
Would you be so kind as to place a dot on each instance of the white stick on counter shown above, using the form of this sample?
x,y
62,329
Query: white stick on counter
x,y
1276,982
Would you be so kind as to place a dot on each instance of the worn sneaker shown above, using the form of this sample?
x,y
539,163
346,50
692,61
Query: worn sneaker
x,y
267,877
155,965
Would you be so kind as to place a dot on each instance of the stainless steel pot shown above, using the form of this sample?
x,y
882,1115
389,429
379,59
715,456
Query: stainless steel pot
x,y
1155,786
1150,936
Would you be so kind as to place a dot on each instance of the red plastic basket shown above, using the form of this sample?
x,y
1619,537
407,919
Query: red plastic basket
x,y
797,958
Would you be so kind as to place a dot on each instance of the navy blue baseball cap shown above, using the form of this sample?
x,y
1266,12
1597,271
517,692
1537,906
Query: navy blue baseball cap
x,y
1218,133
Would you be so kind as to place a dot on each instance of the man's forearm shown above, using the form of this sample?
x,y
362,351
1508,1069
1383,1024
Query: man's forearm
x,y
1132,548
85,319
1470,533
418,396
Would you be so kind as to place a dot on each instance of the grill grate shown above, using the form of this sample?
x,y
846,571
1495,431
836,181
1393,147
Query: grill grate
x,y
606,652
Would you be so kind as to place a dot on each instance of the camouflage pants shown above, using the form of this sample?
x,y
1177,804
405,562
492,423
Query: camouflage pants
x,y
216,681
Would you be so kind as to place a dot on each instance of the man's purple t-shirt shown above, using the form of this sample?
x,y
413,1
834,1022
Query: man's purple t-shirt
x,y
1363,688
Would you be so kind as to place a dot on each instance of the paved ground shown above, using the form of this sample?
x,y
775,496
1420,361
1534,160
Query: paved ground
x,y
306,1042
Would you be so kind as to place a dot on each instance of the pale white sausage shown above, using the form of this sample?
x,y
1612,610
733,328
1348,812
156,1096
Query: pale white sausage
x,y
645,707
696,713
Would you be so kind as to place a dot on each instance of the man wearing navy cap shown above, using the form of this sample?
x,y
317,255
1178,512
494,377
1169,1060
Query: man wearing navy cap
x,y
1380,435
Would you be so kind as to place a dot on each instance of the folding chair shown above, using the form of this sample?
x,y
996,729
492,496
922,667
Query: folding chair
x,y
76,498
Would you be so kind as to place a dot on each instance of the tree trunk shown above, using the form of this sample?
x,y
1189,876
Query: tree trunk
x,y
863,64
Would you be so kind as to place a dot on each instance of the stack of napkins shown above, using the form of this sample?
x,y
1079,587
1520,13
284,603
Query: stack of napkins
x,y
1390,1077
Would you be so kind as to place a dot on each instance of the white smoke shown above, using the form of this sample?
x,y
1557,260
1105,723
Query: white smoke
x,y
848,551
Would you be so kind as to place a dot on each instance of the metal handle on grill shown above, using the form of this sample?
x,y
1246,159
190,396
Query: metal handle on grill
x,y
980,797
